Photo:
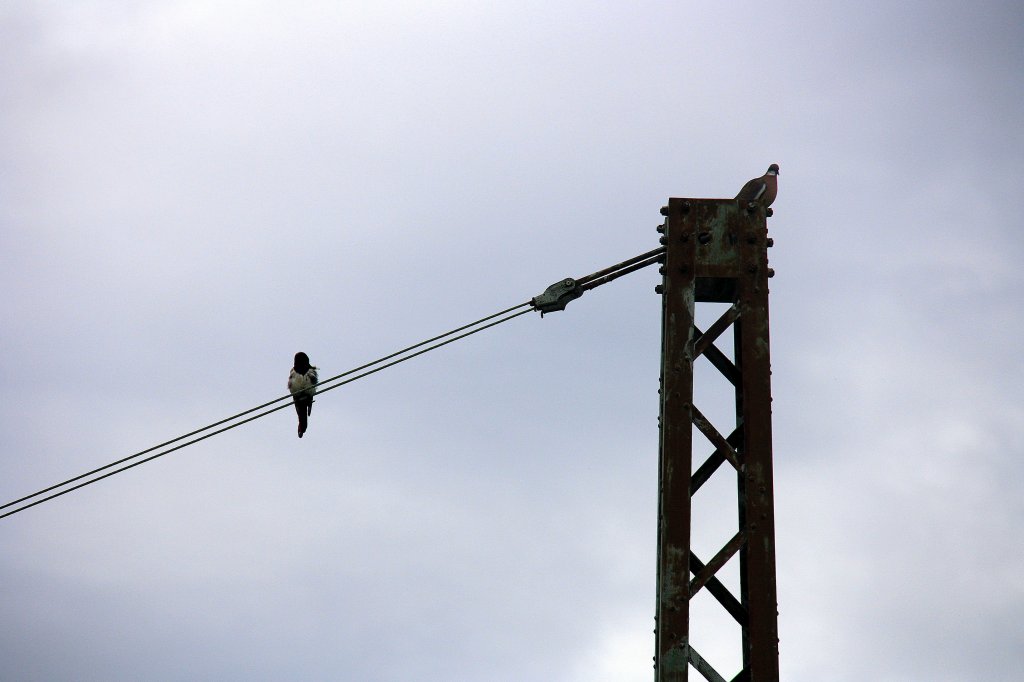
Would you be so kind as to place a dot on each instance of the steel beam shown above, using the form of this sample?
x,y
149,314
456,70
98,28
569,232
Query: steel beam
x,y
716,251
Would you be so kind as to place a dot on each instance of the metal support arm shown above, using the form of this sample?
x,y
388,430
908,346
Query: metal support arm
x,y
559,294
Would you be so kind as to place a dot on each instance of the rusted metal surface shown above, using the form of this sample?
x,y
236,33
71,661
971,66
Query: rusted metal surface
x,y
632,267
704,668
711,464
716,251
714,331
705,574
712,434
756,488
650,257
673,603
720,592
716,357
563,292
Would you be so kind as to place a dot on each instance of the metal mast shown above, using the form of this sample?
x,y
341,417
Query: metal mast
x,y
716,252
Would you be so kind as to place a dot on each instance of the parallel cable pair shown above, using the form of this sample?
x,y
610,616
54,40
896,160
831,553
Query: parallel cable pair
x,y
556,297
322,387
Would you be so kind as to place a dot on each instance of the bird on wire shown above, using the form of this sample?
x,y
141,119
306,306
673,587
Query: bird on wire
x,y
302,385
763,189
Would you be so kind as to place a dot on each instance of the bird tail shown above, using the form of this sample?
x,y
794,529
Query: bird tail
x,y
302,409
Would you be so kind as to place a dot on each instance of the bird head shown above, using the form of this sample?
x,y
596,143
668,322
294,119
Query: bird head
x,y
301,363
773,169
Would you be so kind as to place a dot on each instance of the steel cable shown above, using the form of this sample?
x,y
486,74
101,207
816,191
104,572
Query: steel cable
x,y
322,387
584,283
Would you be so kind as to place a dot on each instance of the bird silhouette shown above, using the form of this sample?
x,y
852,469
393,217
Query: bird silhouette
x,y
763,189
301,384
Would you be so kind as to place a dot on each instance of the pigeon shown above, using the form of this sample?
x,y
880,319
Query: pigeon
x,y
301,384
762,189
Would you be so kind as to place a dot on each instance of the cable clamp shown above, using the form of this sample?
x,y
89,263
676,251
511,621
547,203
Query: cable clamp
x,y
557,296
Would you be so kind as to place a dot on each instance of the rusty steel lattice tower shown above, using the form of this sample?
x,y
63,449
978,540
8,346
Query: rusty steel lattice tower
x,y
716,252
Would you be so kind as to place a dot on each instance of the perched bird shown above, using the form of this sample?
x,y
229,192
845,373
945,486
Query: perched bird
x,y
301,384
762,189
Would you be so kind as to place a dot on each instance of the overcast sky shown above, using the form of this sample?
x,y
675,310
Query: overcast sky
x,y
191,192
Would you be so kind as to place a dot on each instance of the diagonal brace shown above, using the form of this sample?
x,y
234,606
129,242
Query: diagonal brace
x,y
714,331
720,592
703,667
711,464
717,358
702,423
717,561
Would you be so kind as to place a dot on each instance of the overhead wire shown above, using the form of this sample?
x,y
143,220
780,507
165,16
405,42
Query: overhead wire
x,y
583,284
322,387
